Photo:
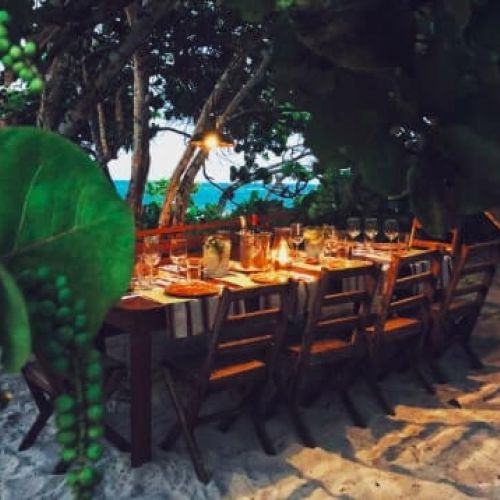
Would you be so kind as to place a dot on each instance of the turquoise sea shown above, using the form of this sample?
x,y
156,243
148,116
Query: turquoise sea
x,y
209,194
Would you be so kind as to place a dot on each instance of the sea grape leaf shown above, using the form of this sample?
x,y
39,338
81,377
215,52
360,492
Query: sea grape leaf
x,y
15,335
59,210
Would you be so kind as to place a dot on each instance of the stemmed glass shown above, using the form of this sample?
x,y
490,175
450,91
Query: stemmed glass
x,y
371,230
151,255
178,252
353,227
391,229
297,235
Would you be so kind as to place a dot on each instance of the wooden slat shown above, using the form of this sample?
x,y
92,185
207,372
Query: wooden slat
x,y
236,370
466,290
408,303
323,346
355,296
482,267
344,322
248,324
414,279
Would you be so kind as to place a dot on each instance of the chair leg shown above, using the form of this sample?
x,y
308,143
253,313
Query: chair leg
x,y
116,439
351,409
35,429
262,435
61,467
474,361
186,427
437,372
291,398
300,426
378,395
423,380
226,423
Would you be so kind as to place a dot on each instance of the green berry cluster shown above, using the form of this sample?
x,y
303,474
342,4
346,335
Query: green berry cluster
x,y
59,325
18,58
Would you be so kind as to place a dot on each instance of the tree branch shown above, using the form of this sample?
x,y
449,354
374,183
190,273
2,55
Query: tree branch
x,y
171,129
113,65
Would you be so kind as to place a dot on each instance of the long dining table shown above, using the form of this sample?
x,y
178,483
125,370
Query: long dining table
x,y
141,313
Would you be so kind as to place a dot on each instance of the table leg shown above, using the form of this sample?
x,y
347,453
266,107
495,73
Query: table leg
x,y
140,411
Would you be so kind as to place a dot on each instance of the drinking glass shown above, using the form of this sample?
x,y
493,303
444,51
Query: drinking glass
x,y
178,252
151,258
140,275
371,230
391,229
353,227
297,234
193,269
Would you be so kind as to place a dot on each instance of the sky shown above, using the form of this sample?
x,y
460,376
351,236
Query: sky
x,y
166,150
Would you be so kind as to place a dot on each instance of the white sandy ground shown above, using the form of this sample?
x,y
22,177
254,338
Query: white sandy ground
x,y
429,450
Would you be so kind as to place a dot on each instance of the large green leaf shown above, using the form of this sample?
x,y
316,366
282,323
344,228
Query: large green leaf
x,y
15,336
58,209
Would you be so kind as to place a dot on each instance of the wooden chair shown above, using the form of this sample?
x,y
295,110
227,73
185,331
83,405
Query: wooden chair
x,y
403,321
455,316
418,239
241,353
333,337
45,387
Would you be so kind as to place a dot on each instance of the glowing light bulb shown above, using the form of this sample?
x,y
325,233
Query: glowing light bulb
x,y
211,141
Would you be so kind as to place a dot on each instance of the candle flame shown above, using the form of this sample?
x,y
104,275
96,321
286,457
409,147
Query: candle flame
x,y
282,257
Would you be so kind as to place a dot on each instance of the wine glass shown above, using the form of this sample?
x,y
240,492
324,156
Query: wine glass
x,y
297,235
178,252
391,229
371,229
152,258
353,227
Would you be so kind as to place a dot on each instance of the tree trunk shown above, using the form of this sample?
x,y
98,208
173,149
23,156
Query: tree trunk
x,y
169,210
140,148
186,186
227,196
184,189
49,110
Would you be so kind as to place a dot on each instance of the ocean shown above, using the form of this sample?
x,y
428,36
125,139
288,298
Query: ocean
x,y
207,193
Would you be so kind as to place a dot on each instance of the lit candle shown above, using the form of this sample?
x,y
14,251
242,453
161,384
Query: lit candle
x,y
282,255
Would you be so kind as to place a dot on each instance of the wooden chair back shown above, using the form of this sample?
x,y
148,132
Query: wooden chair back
x,y
238,337
419,240
410,286
472,275
351,308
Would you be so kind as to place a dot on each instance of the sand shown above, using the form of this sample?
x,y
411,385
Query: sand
x,y
431,449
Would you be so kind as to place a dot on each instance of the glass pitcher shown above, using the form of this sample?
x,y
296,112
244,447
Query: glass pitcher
x,y
216,254
313,242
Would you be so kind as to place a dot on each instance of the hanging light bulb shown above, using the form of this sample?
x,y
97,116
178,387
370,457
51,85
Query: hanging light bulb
x,y
212,139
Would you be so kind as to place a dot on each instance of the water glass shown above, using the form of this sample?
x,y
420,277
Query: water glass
x,y
151,258
353,227
297,236
193,269
371,229
391,229
178,251
140,275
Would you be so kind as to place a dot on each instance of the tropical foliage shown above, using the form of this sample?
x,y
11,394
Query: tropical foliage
x,y
66,251
407,90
